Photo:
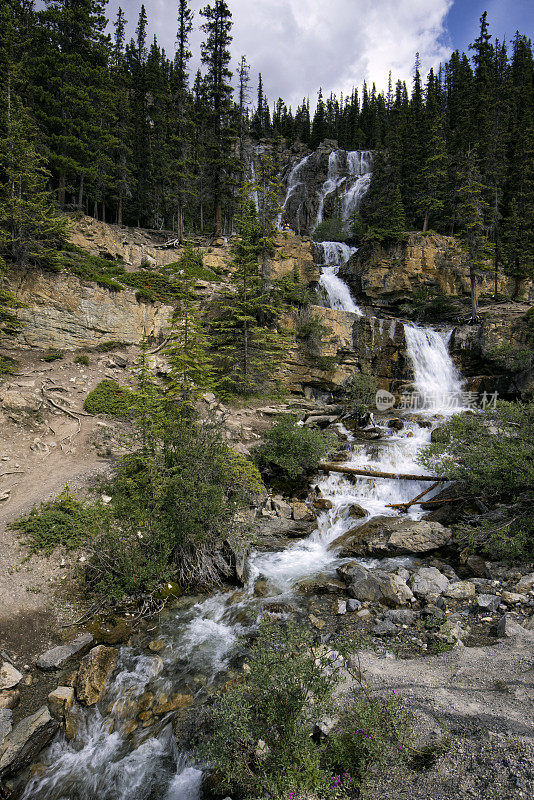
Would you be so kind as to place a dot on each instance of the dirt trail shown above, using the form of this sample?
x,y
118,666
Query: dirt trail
x,y
44,449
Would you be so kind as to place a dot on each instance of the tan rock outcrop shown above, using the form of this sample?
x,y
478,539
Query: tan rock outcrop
x,y
65,312
95,669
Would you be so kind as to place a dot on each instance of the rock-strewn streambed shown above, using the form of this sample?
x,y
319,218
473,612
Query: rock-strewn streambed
x,y
359,570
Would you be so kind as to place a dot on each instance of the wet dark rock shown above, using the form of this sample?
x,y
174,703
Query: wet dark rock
x,y
396,423
478,566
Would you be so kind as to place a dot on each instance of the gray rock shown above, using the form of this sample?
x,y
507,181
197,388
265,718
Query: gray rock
x,y
478,566
433,611
428,581
281,508
401,616
395,591
26,740
390,536
364,585
353,605
58,656
6,719
488,602
460,590
509,626
9,676
385,627
526,584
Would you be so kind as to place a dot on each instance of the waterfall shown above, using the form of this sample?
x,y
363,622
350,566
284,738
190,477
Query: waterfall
x,y
331,256
436,379
333,181
292,182
113,757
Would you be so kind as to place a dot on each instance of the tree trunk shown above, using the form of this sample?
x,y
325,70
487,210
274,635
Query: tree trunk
x,y
496,268
425,223
218,218
119,211
80,192
61,189
327,466
474,298
180,220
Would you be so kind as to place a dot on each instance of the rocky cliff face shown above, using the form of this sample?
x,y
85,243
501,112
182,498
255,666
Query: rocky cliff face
x,y
64,312
388,276
497,354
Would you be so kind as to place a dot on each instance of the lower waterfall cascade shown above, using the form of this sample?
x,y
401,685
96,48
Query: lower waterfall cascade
x,y
336,293
105,760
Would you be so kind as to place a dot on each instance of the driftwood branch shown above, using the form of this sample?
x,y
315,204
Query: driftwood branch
x,y
405,506
328,466
443,502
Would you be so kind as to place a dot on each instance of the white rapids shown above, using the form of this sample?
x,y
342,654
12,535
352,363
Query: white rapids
x,y
105,761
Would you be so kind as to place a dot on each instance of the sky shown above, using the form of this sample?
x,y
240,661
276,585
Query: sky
x,y
300,46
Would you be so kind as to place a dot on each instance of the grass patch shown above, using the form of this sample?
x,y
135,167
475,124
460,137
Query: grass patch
x,y
8,366
107,347
109,397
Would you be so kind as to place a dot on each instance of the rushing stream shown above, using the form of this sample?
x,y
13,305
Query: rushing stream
x,y
112,757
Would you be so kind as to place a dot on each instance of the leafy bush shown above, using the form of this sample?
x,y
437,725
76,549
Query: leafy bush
x,y
332,229
311,330
191,266
173,507
63,521
360,391
107,347
8,366
293,292
511,357
91,268
109,397
82,359
428,304
490,454
52,355
261,744
291,451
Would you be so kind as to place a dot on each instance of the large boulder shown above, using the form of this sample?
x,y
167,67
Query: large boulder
x,y
26,741
95,669
391,536
374,585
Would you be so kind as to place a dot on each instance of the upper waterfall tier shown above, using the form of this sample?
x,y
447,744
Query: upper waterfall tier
x,y
323,184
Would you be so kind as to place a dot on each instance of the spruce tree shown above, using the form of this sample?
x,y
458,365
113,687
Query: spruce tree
x,y
187,351
216,57
244,336
471,209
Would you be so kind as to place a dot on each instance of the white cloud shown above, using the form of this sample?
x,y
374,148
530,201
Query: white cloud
x,y
301,45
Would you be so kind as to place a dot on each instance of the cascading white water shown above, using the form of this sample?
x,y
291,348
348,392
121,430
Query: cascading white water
x,y
353,174
292,182
436,380
105,761
331,256
332,182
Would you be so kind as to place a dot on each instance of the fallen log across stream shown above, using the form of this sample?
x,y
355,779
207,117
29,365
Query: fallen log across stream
x,y
328,466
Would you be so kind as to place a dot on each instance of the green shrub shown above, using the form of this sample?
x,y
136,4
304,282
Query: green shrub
x,y
190,266
63,521
144,296
490,455
8,366
107,347
109,397
82,359
360,391
91,268
52,355
511,357
293,292
259,743
174,502
332,229
310,331
291,451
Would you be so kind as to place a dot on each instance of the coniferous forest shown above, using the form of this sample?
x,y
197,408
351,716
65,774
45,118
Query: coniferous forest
x,y
122,130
